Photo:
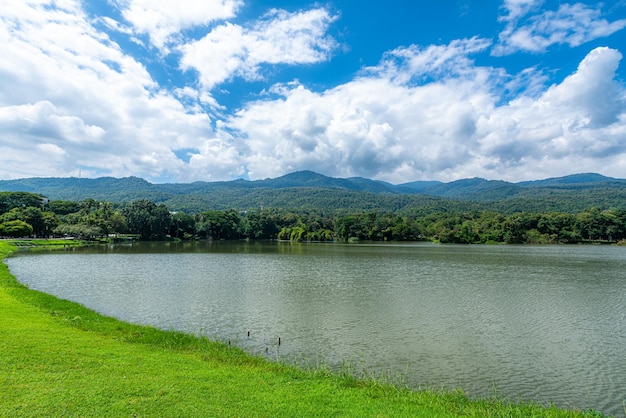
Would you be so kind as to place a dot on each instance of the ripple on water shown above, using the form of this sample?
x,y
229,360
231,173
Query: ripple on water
x,y
544,324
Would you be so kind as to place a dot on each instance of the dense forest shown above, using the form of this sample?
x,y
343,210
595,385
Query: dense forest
x,y
25,214
310,191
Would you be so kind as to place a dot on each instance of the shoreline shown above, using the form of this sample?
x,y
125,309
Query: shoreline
x,y
85,357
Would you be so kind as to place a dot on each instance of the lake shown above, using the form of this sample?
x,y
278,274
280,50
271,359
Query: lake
x,y
539,323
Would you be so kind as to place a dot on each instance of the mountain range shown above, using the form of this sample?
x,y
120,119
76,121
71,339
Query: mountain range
x,y
310,190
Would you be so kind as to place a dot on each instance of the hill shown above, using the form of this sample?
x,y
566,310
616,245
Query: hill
x,y
582,180
306,190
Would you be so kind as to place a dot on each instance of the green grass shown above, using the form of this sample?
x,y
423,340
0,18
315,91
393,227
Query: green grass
x,y
58,358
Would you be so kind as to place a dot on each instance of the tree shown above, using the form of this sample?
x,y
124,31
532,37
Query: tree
x,y
183,226
589,223
10,200
298,233
50,221
261,225
558,227
79,230
514,232
34,217
12,215
149,220
15,229
63,207
42,223
615,220
350,227
218,225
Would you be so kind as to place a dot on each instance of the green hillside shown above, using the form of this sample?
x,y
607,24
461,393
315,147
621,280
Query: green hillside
x,y
309,190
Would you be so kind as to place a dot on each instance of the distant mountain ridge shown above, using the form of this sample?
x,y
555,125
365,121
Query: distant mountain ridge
x,y
308,189
572,180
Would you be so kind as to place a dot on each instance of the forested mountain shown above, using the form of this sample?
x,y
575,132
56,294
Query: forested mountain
x,y
308,190
584,180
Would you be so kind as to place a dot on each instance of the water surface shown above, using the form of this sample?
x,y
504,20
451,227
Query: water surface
x,y
540,323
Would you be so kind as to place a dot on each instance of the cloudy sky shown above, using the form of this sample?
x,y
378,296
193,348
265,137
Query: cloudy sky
x,y
396,90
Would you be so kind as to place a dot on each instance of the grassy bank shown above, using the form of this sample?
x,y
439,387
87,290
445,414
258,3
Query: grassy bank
x,y
58,358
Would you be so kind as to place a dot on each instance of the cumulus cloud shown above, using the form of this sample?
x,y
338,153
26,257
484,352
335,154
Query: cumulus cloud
x,y
591,91
163,19
43,120
66,86
72,98
279,37
571,24
379,125
391,128
566,129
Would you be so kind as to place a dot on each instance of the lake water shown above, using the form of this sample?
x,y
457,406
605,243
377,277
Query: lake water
x,y
539,323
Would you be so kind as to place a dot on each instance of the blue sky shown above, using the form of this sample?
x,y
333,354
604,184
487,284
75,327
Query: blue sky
x,y
395,90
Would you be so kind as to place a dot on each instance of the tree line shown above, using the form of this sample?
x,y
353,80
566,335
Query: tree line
x,y
26,214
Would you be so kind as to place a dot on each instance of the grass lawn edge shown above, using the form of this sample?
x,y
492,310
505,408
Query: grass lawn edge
x,y
60,358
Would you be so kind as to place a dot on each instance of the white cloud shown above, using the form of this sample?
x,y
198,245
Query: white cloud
x,y
378,127
571,24
65,86
516,9
434,62
280,37
217,159
71,98
591,91
43,120
569,128
52,150
161,19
